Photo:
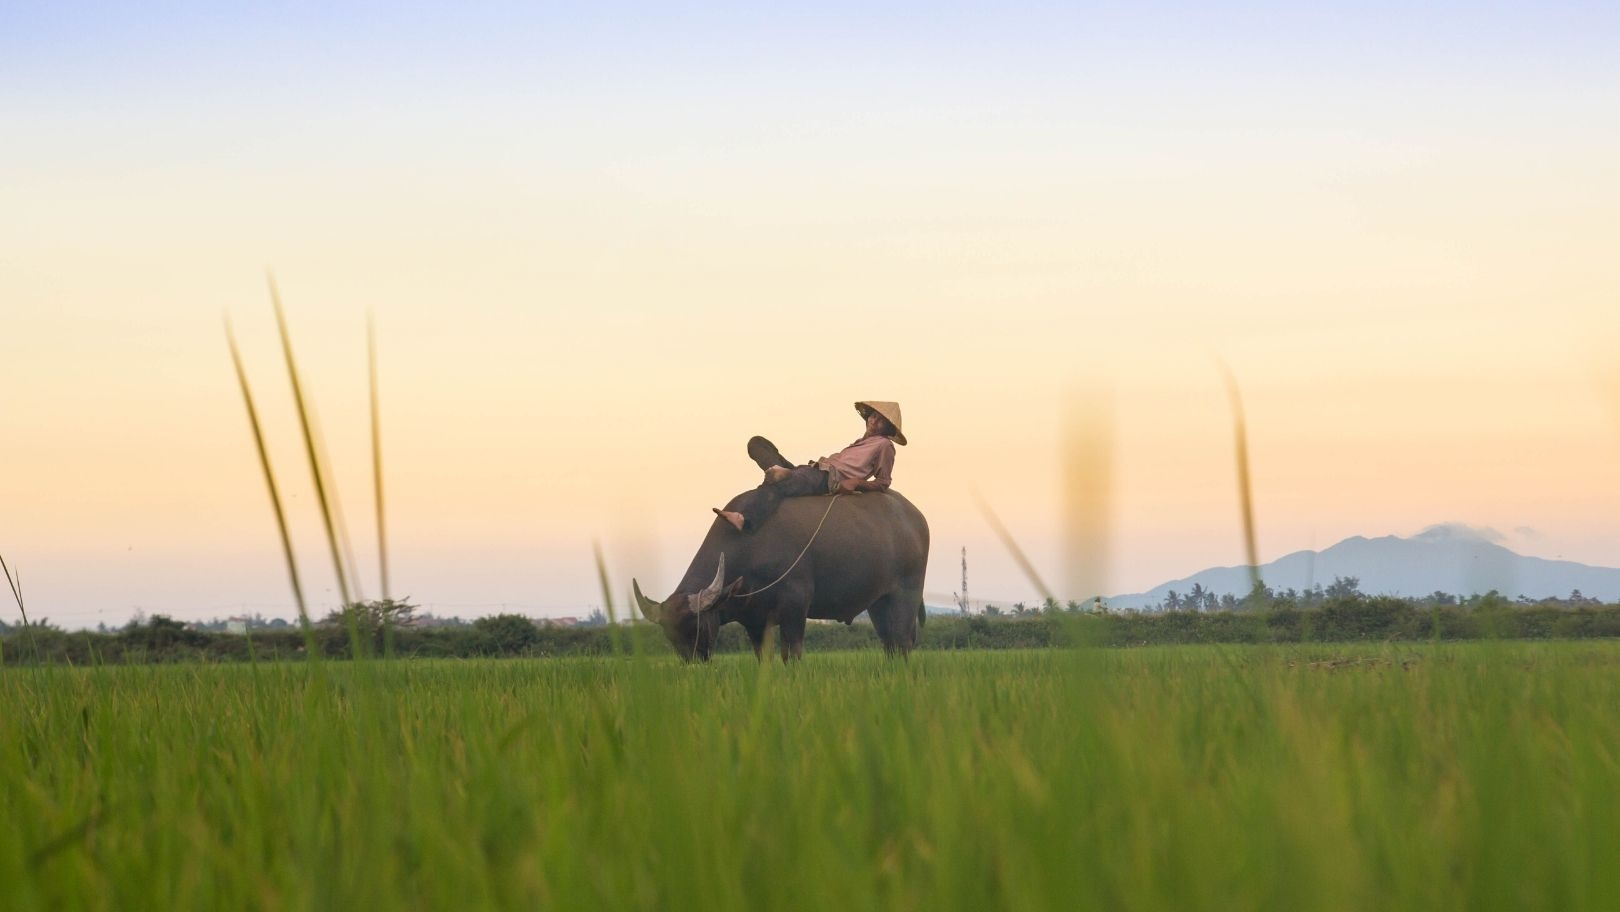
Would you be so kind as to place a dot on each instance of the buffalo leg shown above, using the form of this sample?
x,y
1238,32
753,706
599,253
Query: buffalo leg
x,y
792,629
896,623
757,630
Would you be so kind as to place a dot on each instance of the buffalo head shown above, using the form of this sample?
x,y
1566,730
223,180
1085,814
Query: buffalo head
x,y
688,618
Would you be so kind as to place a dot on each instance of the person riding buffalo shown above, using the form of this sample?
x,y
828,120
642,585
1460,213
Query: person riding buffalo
x,y
865,465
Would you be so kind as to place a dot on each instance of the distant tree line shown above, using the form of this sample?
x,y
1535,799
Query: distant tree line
x,y
1343,587
1337,613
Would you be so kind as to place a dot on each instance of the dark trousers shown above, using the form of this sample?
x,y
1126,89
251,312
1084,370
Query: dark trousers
x,y
757,505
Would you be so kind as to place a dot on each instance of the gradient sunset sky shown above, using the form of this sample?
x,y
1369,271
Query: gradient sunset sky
x,y
605,243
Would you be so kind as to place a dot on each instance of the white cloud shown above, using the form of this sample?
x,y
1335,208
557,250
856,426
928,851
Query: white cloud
x,y
1463,530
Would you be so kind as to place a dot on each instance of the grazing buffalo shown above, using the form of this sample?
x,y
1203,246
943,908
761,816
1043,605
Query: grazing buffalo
x,y
869,555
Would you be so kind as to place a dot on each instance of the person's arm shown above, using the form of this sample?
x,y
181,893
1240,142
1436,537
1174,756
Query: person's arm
x,y
882,473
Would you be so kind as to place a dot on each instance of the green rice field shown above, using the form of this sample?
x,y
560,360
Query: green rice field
x,y
1451,776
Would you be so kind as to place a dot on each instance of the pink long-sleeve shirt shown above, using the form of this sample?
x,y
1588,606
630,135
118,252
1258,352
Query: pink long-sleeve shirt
x,y
868,457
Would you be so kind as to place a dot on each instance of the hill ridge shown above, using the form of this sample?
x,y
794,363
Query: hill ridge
x,y
1447,557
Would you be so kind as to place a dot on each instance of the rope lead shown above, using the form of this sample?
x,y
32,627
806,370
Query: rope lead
x,y
796,560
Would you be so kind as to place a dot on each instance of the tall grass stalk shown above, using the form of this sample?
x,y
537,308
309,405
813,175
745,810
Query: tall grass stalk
x,y
1088,480
275,494
607,598
310,449
1240,437
345,545
325,492
1011,544
376,459
14,584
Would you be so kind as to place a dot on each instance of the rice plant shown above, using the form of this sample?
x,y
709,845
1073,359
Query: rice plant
x,y
1476,776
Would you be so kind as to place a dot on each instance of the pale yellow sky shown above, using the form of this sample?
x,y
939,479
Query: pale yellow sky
x,y
517,434
591,290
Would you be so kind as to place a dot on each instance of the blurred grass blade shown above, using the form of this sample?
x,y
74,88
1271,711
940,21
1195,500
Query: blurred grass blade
x,y
607,596
324,491
16,593
310,448
1240,435
15,584
1012,547
74,835
1088,480
1608,384
344,545
1310,563
376,458
269,480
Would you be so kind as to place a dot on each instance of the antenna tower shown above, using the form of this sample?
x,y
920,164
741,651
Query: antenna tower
x,y
964,581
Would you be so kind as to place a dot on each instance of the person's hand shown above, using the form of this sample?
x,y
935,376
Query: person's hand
x,y
849,486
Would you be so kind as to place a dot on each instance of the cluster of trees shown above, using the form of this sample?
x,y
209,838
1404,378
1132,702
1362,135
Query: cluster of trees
x,y
400,613
1341,613
1201,599
1265,598
1050,606
378,628
1205,600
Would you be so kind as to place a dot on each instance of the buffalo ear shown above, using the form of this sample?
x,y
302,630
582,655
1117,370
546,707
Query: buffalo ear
x,y
650,609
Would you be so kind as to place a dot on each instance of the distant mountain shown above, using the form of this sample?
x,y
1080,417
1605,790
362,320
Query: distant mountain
x,y
1448,558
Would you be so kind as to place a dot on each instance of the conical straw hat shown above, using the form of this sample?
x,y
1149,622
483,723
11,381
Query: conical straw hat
x,y
889,410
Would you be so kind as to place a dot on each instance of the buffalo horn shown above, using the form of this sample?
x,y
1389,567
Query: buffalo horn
x,y
705,600
650,609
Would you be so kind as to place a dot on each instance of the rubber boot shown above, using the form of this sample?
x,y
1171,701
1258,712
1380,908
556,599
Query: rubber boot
x,y
765,454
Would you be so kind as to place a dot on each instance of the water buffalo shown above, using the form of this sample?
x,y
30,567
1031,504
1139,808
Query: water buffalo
x,y
870,555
